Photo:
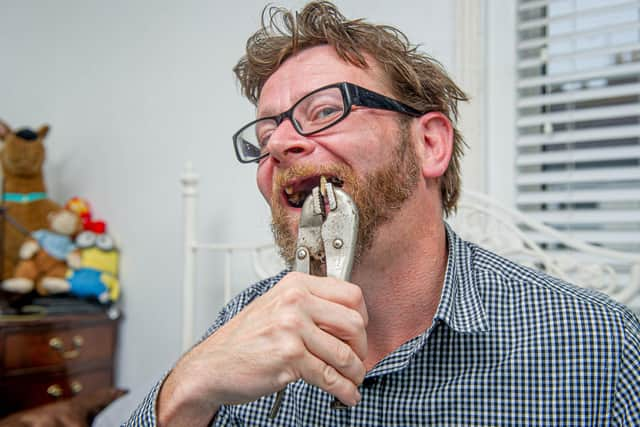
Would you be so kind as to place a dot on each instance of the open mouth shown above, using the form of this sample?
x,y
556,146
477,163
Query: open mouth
x,y
297,192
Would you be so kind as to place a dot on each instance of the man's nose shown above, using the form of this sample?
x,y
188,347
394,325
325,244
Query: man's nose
x,y
287,145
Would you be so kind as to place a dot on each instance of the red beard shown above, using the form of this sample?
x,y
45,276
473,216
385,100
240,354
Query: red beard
x,y
378,196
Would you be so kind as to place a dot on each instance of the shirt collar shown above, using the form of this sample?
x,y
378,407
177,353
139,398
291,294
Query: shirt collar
x,y
461,306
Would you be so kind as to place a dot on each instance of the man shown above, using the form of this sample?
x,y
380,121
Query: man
x,y
430,330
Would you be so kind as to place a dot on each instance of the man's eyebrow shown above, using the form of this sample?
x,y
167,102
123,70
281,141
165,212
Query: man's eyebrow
x,y
270,111
267,112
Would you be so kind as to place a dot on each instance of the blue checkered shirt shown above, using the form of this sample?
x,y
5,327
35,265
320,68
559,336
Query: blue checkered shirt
x,y
509,346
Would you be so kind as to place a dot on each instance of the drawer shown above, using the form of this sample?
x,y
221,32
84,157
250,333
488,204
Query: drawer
x,y
27,391
36,348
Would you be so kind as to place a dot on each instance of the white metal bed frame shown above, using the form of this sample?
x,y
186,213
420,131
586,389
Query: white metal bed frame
x,y
479,219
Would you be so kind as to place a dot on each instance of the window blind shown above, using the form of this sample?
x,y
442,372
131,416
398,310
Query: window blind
x,y
578,118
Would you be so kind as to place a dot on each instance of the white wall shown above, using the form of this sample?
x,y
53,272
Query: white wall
x,y
132,90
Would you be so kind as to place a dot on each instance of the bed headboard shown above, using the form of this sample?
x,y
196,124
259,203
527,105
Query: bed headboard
x,y
516,236
479,219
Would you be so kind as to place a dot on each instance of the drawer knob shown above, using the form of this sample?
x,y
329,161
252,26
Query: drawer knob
x,y
54,390
78,341
76,387
57,344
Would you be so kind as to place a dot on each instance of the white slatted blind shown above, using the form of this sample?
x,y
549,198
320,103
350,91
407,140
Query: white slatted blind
x,y
578,121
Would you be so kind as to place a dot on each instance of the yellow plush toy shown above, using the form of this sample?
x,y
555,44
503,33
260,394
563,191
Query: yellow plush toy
x,y
97,275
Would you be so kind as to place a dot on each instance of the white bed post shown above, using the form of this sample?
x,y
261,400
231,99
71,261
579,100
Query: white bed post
x,y
189,182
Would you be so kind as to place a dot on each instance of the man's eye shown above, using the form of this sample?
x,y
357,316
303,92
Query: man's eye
x,y
263,139
263,132
325,112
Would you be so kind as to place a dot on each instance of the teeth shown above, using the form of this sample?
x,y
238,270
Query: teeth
x,y
296,198
336,181
323,186
325,190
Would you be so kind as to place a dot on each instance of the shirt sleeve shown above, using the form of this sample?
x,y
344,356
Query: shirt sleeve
x,y
626,405
145,414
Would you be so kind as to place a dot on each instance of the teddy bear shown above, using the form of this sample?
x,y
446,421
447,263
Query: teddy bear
x,y
24,196
46,255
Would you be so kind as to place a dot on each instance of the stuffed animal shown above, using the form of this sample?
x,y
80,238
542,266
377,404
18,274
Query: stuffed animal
x,y
82,208
44,258
97,275
24,194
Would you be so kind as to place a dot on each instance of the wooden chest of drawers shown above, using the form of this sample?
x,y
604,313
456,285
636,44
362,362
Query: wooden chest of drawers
x,y
50,358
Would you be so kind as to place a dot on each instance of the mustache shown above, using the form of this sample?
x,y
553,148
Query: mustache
x,y
283,177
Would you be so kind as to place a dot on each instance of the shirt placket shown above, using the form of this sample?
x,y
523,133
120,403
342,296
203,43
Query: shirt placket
x,y
367,412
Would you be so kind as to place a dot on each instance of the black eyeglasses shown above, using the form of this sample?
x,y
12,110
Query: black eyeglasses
x,y
315,112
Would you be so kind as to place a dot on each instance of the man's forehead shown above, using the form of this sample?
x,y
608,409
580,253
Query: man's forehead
x,y
311,69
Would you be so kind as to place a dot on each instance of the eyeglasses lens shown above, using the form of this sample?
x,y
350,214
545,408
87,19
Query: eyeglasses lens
x,y
314,112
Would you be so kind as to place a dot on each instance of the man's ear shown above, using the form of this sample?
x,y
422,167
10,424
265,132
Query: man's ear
x,y
435,144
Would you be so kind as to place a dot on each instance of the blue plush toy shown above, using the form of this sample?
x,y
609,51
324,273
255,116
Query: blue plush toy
x,y
96,276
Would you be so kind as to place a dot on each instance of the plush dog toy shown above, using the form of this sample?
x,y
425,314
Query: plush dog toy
x,y
24,194
45,257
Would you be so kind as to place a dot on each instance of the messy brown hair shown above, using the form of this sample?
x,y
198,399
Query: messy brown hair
x,y
416,79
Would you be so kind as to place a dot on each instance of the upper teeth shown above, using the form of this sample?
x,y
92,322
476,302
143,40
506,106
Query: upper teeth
x,y
296,195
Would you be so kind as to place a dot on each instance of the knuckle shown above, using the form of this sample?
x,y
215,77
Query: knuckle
x,y
291,351
293,296
358,322
289,320
343,355
283,378
330,376
354,295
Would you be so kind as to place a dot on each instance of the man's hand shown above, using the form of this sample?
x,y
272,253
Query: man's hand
x,y
306,327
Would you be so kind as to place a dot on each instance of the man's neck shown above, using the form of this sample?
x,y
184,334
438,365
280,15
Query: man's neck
x,y
402,277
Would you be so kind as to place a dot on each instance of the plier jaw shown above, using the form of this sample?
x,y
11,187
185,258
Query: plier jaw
x,y
327,232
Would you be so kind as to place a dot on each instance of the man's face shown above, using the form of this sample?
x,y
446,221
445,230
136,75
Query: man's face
x,y
371,152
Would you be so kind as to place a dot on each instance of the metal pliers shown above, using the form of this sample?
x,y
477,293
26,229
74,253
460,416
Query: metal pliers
x,y
327,232
327,236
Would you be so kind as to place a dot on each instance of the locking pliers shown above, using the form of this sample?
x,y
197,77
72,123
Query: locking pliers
x,y
327,234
